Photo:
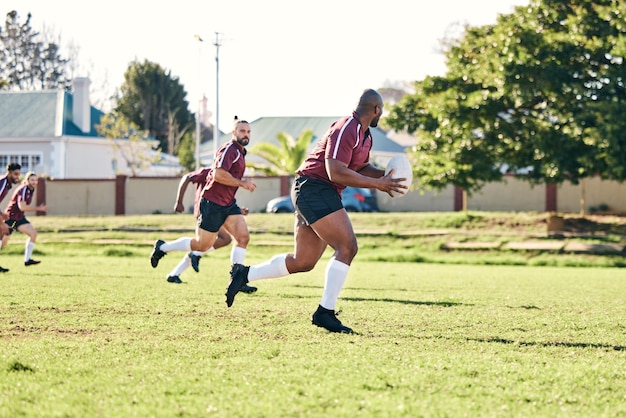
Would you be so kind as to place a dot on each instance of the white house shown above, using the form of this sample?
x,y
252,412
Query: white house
x,y
53,133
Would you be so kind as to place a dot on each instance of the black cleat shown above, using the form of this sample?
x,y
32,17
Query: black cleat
x,y
195,262
157,254
248,289
327,318
174,279
3,270
31,262
238,278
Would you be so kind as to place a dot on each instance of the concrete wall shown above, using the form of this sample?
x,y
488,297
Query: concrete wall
x,y
512,195
597,192
146,195
80,197
417,201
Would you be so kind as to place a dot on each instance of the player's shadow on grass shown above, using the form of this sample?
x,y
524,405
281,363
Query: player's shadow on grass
x,y
548,343
445,304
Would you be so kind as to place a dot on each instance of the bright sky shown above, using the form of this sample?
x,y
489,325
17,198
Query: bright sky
x,y
277,57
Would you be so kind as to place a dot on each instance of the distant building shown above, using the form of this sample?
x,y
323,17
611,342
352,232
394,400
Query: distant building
x,y
53,132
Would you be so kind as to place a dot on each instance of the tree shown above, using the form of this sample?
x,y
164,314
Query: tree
x,y
186,151
155,101
539,94
128,141
27,63
283,159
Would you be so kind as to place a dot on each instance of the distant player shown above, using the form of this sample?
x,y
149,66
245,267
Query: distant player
x,y
16,211
199,178
218,207
11,177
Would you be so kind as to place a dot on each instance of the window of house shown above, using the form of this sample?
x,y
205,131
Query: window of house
x,y
29,162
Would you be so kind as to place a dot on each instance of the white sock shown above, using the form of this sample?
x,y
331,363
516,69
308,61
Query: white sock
x,y
275,267
237,255
28,251
336,273
201,253
184,264
0,244
181,244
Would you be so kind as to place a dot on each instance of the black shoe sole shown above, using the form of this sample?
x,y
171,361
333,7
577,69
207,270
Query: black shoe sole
x,y
248,289
155,256
237,280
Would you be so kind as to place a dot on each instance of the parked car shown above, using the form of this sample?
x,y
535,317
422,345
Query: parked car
x,y
354,199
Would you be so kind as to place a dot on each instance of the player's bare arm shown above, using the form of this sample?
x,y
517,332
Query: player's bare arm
x,y
182,188
339,172
224,177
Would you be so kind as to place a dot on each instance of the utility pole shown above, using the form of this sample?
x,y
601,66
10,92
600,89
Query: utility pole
x,y
198,128
216,129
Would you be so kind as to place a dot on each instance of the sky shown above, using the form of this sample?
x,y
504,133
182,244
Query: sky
x,y
275,57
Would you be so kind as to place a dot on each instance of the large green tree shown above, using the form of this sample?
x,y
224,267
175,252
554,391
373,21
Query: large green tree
x,y
27,62
155,101
539,93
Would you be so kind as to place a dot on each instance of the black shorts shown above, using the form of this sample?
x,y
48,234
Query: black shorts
x,y
313,199
212,216
13,225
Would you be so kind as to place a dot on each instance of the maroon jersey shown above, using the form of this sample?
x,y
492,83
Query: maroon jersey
x,y
199,178
5,186
347,141
23,193
230,157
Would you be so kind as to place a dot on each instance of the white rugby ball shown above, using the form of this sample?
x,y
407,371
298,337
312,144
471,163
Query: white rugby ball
x,y
401,170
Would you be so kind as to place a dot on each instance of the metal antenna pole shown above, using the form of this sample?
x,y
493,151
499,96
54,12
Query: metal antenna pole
x,y
198,115
216,129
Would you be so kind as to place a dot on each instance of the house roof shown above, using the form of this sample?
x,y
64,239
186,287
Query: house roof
x,y
265,129
48,113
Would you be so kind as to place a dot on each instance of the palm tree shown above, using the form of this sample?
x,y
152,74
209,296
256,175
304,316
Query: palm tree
x,y
283,159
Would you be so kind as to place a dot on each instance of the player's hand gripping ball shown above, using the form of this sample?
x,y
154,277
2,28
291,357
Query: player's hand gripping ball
x,y
401,169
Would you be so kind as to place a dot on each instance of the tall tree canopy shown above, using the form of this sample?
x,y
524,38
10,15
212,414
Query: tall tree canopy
x,y
156,102
26,61
540,93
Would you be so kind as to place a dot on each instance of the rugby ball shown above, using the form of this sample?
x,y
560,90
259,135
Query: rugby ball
x,y
401,169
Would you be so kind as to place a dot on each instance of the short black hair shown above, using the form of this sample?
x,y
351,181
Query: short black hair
x,y
13,166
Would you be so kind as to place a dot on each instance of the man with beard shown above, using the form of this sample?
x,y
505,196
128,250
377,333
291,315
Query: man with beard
x,y
218,207
199,178
339,159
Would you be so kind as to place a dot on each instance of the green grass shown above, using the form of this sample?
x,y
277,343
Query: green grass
x,y
95,331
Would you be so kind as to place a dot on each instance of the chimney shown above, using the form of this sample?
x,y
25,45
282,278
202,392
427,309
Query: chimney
x,y
81,108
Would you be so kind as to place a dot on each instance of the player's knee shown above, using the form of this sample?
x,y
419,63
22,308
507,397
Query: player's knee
x,y
349,251
303,267
226,239
243,240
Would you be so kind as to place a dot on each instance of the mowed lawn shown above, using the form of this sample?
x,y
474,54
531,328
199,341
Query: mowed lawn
x,y
99,333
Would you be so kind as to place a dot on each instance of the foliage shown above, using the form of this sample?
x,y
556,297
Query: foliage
x,y
186,151
132,144
540,93
28,63
283,159
156,102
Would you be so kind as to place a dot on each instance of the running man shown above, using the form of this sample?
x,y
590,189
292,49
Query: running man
x,y
11,177
218,207
16,211
340,159
199,179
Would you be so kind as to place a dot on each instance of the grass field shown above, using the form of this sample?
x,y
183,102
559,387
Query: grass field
x,y
94,331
